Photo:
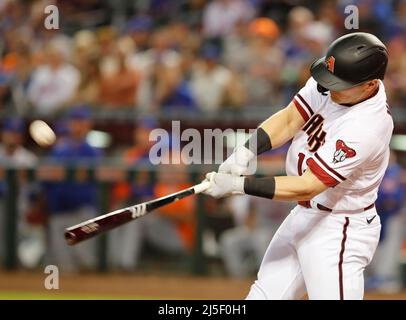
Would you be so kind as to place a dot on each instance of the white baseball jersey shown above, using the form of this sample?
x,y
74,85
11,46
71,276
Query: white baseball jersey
x,y
346,147
320,252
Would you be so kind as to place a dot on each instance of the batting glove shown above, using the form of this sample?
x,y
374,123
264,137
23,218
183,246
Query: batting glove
x,y
237,163
222,185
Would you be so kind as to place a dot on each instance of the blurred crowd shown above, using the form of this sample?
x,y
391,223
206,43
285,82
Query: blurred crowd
x,y
199,55
156,56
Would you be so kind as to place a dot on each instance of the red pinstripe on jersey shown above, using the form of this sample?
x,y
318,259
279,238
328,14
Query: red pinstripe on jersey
x,y
303,107
341,259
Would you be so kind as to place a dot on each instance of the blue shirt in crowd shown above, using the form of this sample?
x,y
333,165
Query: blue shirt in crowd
x,y
390,196
71,195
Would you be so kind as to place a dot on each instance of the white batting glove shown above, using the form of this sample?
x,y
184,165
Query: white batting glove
x,y
237,163
222,185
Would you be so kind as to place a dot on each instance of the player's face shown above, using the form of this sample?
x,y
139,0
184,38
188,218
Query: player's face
x,y
78,128
355,94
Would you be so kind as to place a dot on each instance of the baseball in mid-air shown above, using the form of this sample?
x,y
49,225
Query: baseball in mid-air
x,y
42,133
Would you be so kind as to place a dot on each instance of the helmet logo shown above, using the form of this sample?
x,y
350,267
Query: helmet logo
x,y
330,63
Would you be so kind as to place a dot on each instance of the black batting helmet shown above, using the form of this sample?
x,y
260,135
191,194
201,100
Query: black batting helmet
x,y
351,60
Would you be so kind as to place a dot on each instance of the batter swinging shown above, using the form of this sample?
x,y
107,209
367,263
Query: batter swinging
x,y
341,128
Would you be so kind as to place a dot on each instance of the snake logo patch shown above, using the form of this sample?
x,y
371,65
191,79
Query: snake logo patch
x,y
342,152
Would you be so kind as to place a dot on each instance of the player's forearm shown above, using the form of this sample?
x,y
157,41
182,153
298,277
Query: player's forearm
x,y
279,188
286,188
292,188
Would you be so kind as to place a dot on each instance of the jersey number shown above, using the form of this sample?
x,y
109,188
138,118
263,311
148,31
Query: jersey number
x,y
314,130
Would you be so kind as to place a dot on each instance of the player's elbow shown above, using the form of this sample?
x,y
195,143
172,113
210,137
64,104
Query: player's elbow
x,y
309,189
307,195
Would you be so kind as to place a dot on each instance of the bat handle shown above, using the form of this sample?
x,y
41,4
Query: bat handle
x,y
199,188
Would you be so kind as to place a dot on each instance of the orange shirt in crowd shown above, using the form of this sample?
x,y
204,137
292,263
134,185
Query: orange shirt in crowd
x,y
181,212
121,191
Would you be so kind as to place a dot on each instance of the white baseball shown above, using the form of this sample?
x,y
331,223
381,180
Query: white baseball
x,y
42,133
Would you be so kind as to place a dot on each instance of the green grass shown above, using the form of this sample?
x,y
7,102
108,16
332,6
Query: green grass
x,y
15,295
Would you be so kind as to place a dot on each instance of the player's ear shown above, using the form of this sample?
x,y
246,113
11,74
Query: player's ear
x,y
372,83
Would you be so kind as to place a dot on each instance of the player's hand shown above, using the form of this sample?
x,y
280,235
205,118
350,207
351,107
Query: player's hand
x,y
222,185
237,163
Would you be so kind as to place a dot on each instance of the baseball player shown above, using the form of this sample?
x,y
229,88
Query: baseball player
x,y
341,127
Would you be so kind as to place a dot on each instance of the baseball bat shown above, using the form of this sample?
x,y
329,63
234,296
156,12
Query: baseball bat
x,y
92,227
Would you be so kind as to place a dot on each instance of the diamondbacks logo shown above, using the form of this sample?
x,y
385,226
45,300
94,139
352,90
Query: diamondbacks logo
x,y
342,152
330,63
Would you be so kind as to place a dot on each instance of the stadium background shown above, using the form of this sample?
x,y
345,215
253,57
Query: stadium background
x,y
123,68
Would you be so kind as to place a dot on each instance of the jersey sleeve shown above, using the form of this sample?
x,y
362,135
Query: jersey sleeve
x,y
342,155
307,100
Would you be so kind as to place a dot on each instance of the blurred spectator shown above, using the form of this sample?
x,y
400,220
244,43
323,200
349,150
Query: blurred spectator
x,y
191,12
258,60
385,267
53,82
256,220
170,230
20,80
163,10
71,202
85,44
139,152
12,151
298,19
106,40
125,250
177,219
317,36
215,86
183,39
295,51
150,63
221,16
89,90
15,71
119,83
397,26
139,29
86,57
83,14
395,82
14,155
173,87
327,14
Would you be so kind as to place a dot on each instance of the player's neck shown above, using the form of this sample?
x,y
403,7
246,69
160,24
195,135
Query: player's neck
x,y
372,94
